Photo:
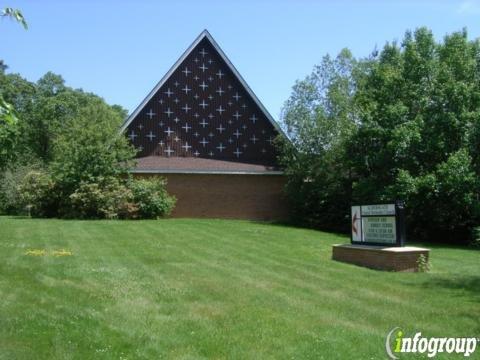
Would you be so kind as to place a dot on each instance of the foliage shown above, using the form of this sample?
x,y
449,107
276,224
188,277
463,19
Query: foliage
x,y
10,199
8,132
151,197
320,118
423,265
411,130
476,237
16,15
91,149
106,199
38,194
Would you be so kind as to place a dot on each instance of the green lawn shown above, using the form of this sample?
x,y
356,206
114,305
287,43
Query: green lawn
x,y
193,289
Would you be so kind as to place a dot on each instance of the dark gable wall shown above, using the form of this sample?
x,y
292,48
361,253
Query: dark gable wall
x,y
185,116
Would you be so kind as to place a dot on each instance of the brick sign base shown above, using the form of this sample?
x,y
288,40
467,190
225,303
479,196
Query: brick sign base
x,y
379,257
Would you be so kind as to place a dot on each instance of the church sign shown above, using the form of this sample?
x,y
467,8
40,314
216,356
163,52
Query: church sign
x,y
379,224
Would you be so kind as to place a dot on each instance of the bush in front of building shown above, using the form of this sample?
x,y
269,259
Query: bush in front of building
x,y
151,197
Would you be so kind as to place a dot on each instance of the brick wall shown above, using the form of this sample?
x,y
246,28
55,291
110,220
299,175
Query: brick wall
x,y
257,197
406,259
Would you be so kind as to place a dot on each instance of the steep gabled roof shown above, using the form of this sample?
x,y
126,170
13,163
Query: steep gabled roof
x,y
204,34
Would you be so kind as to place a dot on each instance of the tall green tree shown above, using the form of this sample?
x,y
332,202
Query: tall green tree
x,y
320,118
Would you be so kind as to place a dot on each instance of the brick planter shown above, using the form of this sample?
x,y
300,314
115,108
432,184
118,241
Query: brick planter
x,y
380,258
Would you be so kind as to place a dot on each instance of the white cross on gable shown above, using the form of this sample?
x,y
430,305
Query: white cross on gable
x,y
196,96
204,142
237,133
161,123
244,127
220,74
230,140
161,143
270,140
169,132
186,127
264,151
186,146
210,153
210,78
160,101
151,135
254,139
186,71
210,97
176,120
140,148
168,92
220,147
140,126
196,115
132,136
168,112
220,109
203,123
196,153
238,152
220,128
196,78
244,146
151,114
203,85
203,104
176,138
203,52
230,103
168,150
196,60
210,116
176,83
220,91
210,61
196,134
253,118
176,101
203,67
186,89
210,135
236,115
236,96
186,108
244,106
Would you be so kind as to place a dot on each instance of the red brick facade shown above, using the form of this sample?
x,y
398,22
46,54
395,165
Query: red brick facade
x,y
236,196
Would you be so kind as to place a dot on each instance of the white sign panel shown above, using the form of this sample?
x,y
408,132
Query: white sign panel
x,y
356,224
379,229
375,224
383,209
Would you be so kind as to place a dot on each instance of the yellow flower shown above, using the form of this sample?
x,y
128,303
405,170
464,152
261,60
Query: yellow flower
x,y
62,253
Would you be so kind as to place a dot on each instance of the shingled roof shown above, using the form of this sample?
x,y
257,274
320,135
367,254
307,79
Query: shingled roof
x,y
203,117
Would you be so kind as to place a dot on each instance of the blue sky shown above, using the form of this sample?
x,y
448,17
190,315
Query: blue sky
x,y
120,49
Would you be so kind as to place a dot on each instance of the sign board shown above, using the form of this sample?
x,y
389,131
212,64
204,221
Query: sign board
x,y
379,224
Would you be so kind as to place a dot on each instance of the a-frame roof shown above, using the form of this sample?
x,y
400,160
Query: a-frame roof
x,y
204,34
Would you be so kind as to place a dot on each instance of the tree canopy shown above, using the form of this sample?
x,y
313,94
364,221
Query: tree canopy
x,y
401,124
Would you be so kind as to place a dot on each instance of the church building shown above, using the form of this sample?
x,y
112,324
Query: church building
x,y
205,131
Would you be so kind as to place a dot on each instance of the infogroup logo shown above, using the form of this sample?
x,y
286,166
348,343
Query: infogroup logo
x,y
397,343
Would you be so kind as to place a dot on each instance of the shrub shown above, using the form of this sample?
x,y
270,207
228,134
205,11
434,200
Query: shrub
x,y
106,199
151,197
10,199
476,237
38,195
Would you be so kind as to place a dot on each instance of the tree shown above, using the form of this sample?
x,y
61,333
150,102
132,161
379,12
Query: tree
x,y
319,118
8,118
91,148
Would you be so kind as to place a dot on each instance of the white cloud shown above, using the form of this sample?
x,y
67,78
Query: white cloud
x,y
469,7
